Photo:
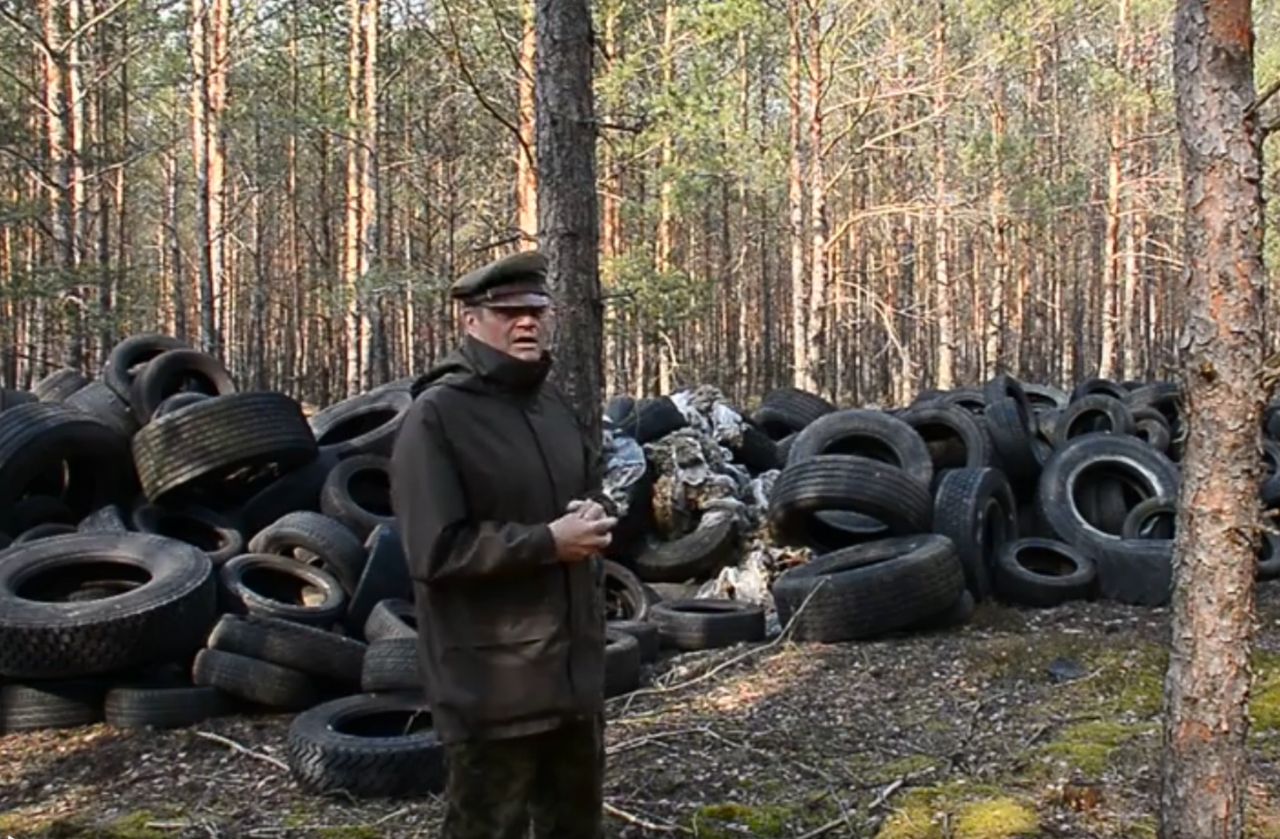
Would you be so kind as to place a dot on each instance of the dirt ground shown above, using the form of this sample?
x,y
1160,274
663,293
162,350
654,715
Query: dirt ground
x,y
1024,723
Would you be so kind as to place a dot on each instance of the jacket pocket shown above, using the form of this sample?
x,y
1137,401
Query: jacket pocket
x,y
498,682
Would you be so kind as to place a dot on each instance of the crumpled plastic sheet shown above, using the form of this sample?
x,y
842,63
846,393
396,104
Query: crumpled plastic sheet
x,y
624,465
707,411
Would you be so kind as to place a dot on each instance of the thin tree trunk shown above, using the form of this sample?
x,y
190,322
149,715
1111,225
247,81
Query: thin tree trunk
x,y
1207,687
946,372
801,376
1111,277
526,164
567,200
817,332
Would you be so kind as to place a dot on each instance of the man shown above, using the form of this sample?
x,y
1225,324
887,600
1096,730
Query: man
x,y
490,477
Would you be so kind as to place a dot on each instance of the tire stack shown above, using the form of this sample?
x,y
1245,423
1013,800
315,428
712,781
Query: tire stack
x,y
182,550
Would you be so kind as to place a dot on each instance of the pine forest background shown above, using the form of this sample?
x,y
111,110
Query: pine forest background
x,y
865,199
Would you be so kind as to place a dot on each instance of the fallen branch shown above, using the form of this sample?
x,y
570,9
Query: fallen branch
x,y
245,750
782,638
643,822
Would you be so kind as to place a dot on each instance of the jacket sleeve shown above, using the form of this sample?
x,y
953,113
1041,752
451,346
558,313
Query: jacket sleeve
x,y
441,541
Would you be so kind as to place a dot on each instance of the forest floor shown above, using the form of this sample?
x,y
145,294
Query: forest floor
x,y
1022,723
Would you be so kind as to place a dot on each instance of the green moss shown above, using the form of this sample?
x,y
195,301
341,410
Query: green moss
x,y
709,821
973,811
1087,747
909,765
998,818
134,826
1264,698
1145,827
358,831
913,820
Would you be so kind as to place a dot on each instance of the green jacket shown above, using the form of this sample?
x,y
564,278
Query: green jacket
x,y
511,641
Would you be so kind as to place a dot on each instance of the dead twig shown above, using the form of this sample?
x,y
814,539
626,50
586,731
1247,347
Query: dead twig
x,y
889,790
244,750
639,821
719,668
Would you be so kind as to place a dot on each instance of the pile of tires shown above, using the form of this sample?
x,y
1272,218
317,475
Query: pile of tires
x,y
173,549
1021,493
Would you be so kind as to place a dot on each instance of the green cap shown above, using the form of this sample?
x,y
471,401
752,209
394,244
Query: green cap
x,y
519,280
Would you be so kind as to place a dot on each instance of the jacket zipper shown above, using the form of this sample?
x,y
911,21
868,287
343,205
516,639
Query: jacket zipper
x,y
564,570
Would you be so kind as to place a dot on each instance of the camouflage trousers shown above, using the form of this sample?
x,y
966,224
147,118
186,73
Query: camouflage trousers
x,y
554,780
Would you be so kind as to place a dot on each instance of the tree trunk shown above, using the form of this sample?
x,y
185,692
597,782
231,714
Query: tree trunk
x,y
1207,687
946,372
816,333
567,220
526,164
1111,275
801,375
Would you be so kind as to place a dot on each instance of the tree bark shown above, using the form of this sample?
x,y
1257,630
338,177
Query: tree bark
x,y
567,204
526,164
946,373
816,332
1207,687
801,375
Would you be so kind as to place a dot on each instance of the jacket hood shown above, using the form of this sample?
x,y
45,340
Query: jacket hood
x,y
475,365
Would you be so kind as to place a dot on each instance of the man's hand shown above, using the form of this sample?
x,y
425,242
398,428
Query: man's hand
x,y
587,509
578,537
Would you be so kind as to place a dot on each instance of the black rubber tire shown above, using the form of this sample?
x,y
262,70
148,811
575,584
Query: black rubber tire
x,y
967,399
871,434
1045,397
959,613
870,589
328,544
954,437
1009,424
704,624
177,402
128,357
1268,490
54,704
1268,557
105,405
1271,421
1151,519
251,679
293,645
280,576
58,385
788,409
325,759
47,446
391,664
12,398
658,592
757,451
845,482
203,444
386,574
1136,571
174,372
1004,386
623,593
645,633
1022,573
108,519
1106,387
163,619
651,419
177,706
1151,427
43,531
1095,413
621,663
358,493
391,618
1135,469
703,552
784,447
211,532
1165,398
294,490
35,510
976,510
364,424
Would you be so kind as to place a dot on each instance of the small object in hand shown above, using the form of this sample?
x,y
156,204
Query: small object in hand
x,y
1065,670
